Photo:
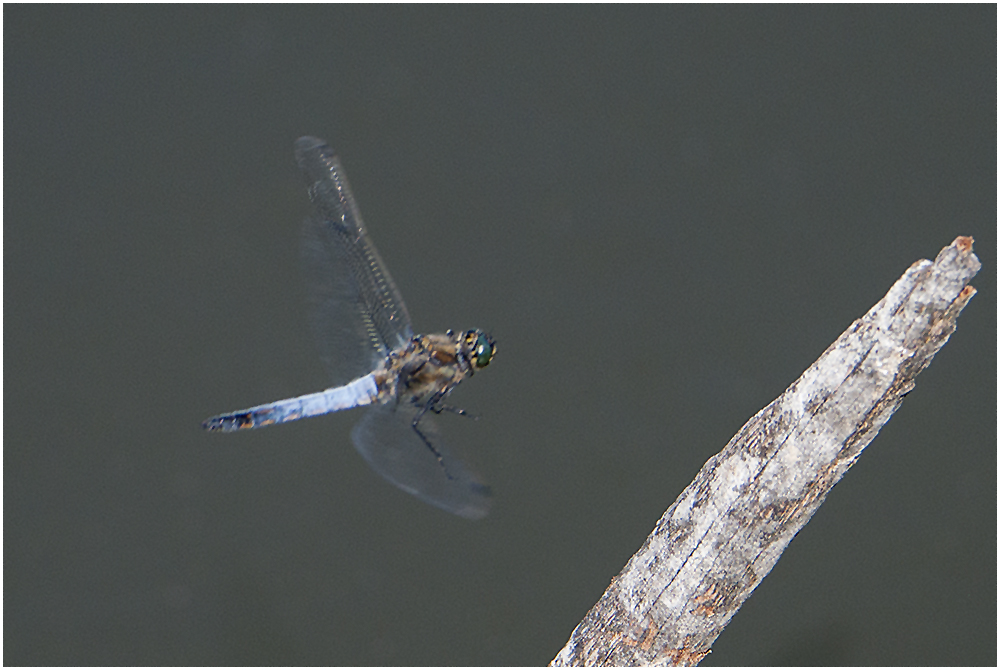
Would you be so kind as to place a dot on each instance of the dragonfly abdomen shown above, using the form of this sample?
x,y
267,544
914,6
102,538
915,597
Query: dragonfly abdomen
x,y
361,391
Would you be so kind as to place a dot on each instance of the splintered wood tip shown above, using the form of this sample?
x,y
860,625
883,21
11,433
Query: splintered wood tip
x,y
964,243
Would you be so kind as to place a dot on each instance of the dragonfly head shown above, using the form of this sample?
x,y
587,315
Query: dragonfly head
x,y
478,347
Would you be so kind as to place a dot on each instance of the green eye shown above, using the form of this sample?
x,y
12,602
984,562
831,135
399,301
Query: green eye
x,y
484,350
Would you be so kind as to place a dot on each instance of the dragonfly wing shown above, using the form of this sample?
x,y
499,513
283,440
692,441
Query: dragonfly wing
x,y
387,440
340,328
357,312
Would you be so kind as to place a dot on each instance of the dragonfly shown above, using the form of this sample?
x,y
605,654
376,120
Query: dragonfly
x,y
366,339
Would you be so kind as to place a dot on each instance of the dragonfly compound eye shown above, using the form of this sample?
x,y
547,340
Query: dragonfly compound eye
x,y
484,350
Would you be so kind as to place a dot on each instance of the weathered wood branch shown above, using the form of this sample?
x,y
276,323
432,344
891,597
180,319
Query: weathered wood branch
x,y
728,528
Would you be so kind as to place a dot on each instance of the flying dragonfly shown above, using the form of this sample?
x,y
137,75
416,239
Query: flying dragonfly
x,y
366,338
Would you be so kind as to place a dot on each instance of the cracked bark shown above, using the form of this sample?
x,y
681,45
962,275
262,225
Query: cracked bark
x,y
727,529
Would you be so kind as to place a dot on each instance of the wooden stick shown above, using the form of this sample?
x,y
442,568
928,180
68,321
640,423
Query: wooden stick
x,y
727,529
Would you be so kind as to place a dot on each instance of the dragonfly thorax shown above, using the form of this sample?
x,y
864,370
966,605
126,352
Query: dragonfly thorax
x,y
430,366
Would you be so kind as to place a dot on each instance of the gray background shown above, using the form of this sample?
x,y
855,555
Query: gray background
x,y
663,215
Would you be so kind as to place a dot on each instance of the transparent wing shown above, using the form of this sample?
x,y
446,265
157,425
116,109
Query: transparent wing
x,y
357,312
386,439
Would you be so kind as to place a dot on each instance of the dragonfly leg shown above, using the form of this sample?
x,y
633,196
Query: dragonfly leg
x,y
437,454
437,409
436,406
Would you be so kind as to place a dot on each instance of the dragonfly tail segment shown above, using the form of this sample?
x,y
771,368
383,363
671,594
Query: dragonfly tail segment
x,y
361,391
